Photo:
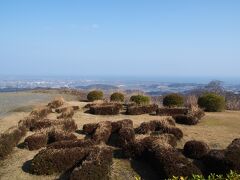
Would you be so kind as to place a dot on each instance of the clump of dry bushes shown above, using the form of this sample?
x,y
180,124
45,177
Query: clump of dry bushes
x,y
161,126
141,109
10,138
105,109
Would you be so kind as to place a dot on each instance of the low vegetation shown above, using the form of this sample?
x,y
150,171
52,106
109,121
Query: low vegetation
x,y
56,103
95,166
140,99
95,95
211,102
105,109
9,139
173,100
117,97
195,149
232,175
186,119
160,126
143,109
49,161
153,142
165,111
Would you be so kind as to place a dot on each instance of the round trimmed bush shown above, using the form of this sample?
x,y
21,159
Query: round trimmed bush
x,y
140,99
95,95
195,149
212,102
117,97
173,100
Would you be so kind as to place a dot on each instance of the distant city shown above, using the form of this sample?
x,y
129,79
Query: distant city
x,y
151,87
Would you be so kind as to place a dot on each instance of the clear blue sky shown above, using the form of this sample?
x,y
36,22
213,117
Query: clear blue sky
x,y
124,37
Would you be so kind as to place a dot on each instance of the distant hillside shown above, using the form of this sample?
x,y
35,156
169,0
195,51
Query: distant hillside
x,y
104,87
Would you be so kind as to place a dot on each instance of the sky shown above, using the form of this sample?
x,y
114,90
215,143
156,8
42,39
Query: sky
x,y
187,38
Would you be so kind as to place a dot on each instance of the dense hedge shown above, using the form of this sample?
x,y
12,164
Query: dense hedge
x,y
140,99
173,100
103,132
117,97
195,149
161,126
36,141
106,109
186,119
95,166
50,161
145,109
212,102
95,95
172,111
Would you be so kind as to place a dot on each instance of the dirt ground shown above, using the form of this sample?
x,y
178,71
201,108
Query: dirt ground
x,y
216,129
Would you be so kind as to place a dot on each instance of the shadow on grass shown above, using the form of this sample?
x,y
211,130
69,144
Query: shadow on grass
x,y
21,145
65,176
80,131
144,170
27,166
118,154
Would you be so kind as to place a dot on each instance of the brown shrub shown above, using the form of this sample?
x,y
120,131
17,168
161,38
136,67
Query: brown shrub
x,y
75,108
126,135
87,106
232,155
56,103
163,126
61,110
65,124
69,125
10,138
49,161
36,141
169,121
89,128
168,163
195,149
144,128
166,139
106,109
175,131
68,113
162,157
191,101
137,110
186,119
96,166
171,111
27,122
81,143
154,125
116,126
197,112
41,124
214,162
40,112
139,146
59,135
103,132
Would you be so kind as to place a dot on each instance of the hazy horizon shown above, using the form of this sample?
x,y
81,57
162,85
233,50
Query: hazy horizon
x,y
121,38
110,79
